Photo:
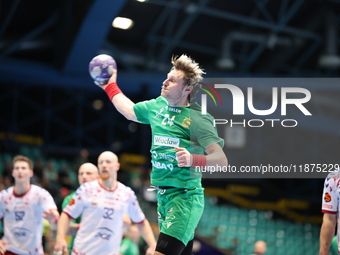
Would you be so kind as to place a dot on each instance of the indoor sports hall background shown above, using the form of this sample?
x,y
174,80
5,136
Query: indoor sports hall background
x,y
51,111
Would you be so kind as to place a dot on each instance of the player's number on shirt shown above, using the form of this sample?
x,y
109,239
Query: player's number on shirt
x,y
168,120
108,212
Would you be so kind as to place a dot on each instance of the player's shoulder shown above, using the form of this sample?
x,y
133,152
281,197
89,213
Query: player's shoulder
x,y
38,192
160,99
88,186
335,174
6,192
196,112
37,189
333,178
125,189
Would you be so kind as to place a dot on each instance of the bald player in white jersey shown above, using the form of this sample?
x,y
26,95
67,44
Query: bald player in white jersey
x,y
101,204
22,208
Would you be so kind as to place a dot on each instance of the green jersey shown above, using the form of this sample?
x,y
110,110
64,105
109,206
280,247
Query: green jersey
x,y
171,126
127,247
64,204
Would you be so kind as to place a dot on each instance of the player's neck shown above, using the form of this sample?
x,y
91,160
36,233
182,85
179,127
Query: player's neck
x,y
179,103
109,184
21,188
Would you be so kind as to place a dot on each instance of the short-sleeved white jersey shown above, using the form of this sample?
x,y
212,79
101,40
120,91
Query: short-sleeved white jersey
x,y
101,210
330,197
23,221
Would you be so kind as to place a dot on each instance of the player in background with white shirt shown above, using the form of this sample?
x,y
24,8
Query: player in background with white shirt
x,y
101,204
330,208
22,208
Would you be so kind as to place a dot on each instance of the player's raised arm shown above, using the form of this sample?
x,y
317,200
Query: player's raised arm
x,y
101,68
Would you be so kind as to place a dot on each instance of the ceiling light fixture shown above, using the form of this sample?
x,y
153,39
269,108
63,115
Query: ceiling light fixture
x,y
122,23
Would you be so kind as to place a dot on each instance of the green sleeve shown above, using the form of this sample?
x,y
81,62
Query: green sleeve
x,y
205,133
65,203
142,109
67,200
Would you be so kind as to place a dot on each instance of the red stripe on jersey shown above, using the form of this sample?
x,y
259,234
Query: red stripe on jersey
x,y
68,215
21,195
10,253
140,222
325,211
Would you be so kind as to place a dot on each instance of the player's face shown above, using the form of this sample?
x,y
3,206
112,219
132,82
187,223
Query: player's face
x,y
108,165
87,174
21,172
173,87
134,233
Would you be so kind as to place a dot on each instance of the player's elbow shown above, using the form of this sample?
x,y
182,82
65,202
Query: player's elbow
x,y
223,161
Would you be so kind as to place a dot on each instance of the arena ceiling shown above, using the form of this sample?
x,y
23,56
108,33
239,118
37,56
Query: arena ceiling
x,y
53,41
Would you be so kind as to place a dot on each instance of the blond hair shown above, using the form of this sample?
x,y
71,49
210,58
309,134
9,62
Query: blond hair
x,y
192,72
23,158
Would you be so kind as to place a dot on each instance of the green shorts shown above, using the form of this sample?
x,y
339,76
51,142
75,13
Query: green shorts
x,y
179,211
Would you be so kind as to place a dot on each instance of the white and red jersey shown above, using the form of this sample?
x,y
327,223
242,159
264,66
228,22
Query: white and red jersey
x,y
101,210
330,197
23,221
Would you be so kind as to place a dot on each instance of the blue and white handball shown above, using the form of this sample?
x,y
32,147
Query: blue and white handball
x,y
100,68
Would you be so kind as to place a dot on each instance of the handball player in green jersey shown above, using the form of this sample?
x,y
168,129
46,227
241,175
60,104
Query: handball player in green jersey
x,y
183,140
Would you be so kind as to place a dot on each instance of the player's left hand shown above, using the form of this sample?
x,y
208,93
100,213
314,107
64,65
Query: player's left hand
x,y
184,158
51,215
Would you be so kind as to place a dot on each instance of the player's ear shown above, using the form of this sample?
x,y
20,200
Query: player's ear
x,y
118,166
189,88
31,173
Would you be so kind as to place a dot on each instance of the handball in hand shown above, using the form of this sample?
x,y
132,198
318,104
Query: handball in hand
x,y
100,68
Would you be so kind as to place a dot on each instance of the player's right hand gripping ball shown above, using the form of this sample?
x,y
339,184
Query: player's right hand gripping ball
x,y
100,68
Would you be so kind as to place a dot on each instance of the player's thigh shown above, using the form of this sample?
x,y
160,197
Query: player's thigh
x,y
182,213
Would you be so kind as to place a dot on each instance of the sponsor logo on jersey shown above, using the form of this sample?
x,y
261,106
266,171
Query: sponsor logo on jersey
x,y
165,141
167,157
154,154
72,201
186,122
19,215
22,234
171,217
104,233
327,206
328,197
171,109
160,165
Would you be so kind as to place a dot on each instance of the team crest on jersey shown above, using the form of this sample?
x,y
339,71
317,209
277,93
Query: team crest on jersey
x,y
328,198
72,201
186,122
